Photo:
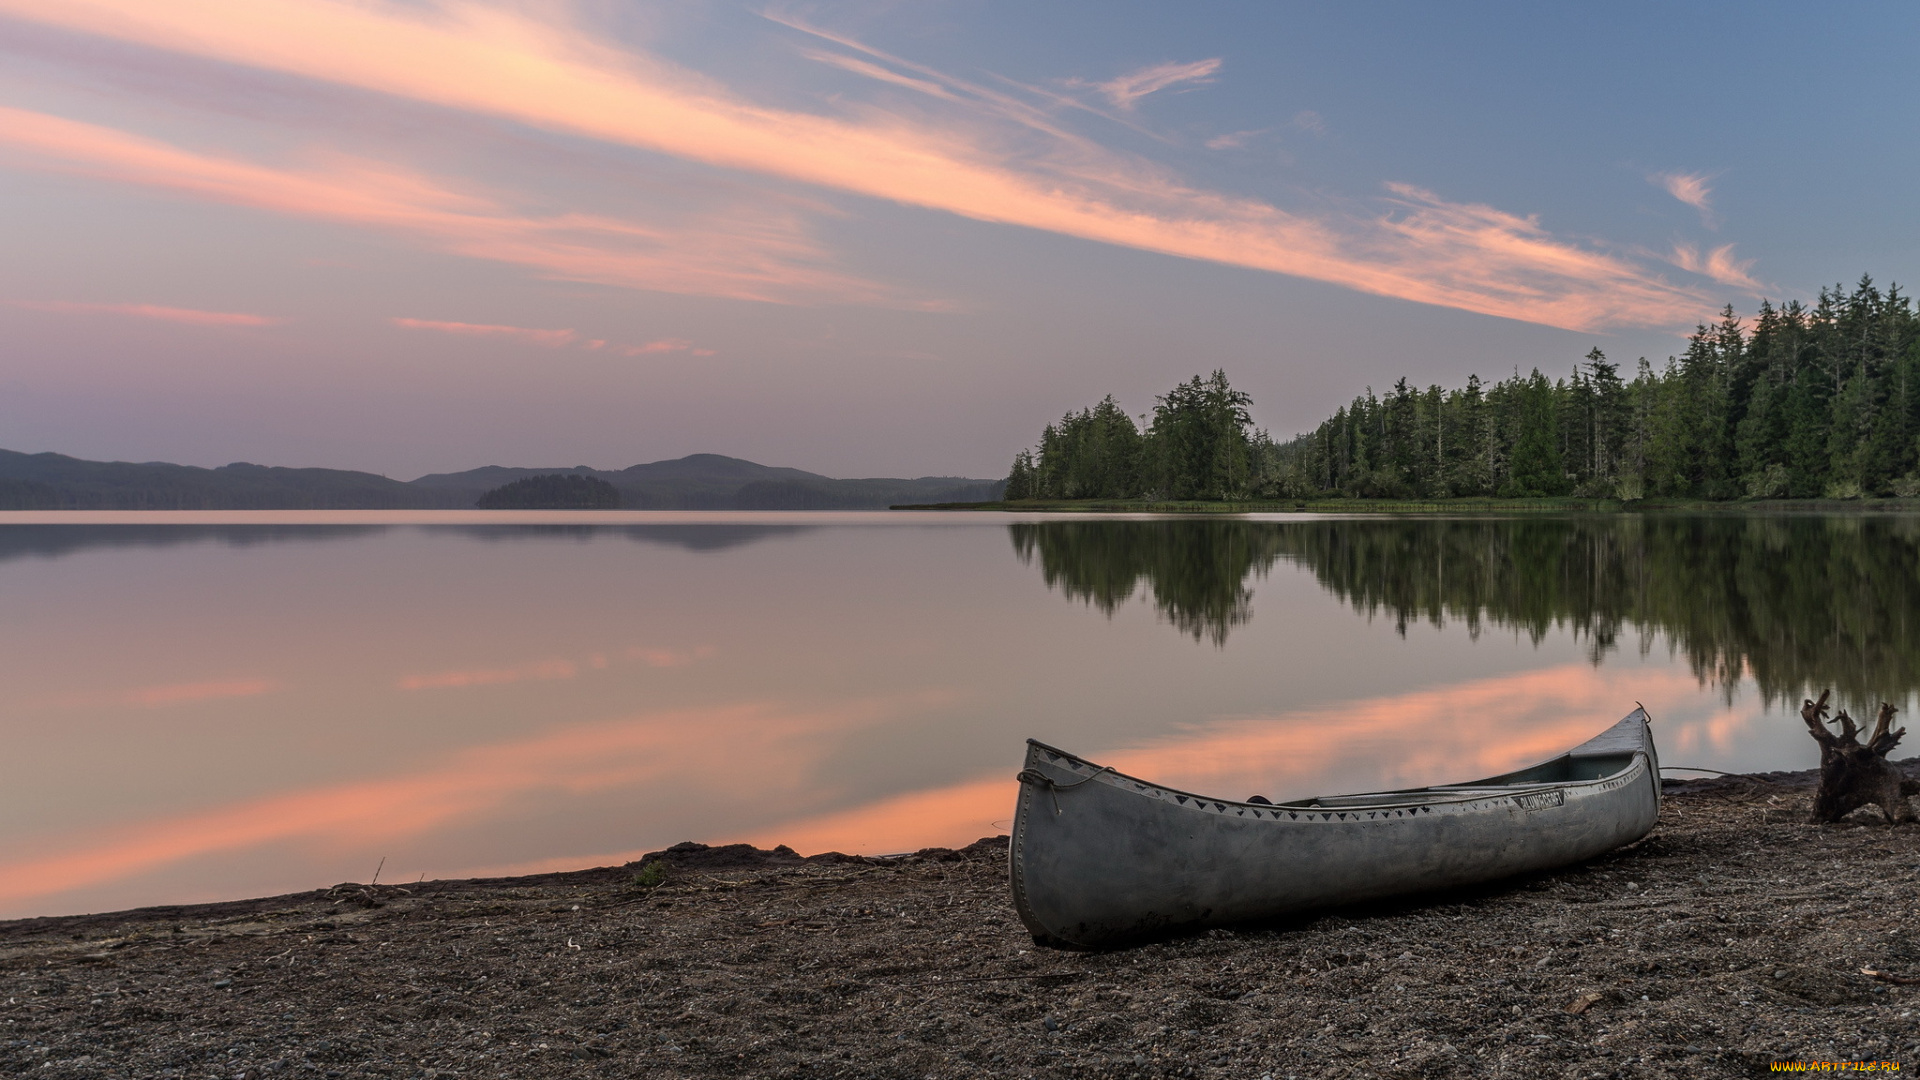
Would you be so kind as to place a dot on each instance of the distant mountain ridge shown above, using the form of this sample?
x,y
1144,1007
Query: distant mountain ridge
x,y
696,482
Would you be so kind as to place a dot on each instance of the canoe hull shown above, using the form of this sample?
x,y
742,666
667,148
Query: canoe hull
x,y
1098,857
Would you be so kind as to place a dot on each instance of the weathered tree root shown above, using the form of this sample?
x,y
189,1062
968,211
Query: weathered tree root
x,y
1853,775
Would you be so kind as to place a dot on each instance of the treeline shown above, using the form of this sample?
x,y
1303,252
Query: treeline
x,y
1199,444
1819,401
1809,402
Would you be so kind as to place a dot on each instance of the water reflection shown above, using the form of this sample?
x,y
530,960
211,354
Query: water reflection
x,y
198,712
1794,602
1197,571
697,537
637,754
58,541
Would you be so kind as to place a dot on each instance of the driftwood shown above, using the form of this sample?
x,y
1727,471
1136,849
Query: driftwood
x,y
1854,774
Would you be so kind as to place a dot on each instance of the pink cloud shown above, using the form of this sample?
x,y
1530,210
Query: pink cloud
x,y
1690,189
495,61
664,345
158,696
881,74
1718,264
1234,140
1130,88
551,338
751,253
189,316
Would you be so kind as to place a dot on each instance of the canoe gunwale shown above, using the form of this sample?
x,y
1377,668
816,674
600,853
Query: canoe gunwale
x,y
1438,795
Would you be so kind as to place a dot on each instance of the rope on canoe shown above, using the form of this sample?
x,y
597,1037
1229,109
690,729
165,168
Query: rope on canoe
x,y
1037,779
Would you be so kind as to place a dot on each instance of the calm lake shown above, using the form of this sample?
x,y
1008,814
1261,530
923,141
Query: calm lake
x,y
204,707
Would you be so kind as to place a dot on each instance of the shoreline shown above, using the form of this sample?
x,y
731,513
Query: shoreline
x,y
1734,935
1432,506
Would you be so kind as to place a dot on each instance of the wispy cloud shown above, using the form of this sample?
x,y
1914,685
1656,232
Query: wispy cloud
x,y
1718,264
758,252
1130,88
160,695
188,316
989,162
523,333
664,345
553,339
881,74
1692,189
1234,140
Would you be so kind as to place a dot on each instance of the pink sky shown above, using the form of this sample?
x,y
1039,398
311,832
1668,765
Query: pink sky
x,y
807,233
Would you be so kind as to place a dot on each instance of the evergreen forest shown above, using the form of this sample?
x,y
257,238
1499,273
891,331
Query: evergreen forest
x,y
1818,401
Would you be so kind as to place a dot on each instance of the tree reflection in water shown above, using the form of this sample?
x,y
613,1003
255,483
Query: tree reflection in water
x,y
1796,601
1196,570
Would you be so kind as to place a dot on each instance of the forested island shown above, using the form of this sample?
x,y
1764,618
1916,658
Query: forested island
x,y
553,491
1817,401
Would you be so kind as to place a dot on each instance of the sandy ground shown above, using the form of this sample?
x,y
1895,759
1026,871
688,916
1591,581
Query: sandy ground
x,y
1733,936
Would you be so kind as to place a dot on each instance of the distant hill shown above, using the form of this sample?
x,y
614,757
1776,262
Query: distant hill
x,y
698,482
716,482
58,482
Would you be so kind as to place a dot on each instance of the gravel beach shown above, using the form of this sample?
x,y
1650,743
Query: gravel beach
x,y
1732,937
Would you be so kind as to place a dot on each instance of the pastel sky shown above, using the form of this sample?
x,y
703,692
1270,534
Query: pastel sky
x,y
887,239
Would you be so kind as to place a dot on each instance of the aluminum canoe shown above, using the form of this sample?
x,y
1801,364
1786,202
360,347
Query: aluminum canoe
x,y
1099,857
